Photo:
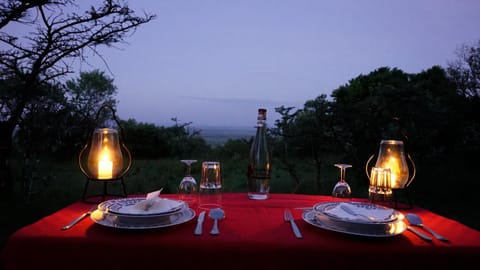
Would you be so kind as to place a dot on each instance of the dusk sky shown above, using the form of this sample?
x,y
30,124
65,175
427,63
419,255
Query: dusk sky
x,y
216,62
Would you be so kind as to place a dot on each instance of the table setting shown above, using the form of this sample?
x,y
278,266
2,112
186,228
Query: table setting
x,y
108,159
257,230
340,213
237,230
356,218
130,213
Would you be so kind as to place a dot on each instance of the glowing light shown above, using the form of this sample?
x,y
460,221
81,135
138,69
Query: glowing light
x,y
394,165
105,165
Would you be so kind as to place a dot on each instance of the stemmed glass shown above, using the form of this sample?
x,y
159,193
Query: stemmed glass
x,y
342,188
187,189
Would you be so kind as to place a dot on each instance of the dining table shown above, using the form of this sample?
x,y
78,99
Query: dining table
x,y
252,235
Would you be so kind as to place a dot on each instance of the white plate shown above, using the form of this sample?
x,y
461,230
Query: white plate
x,y
394,228
141,222
126,206
378,214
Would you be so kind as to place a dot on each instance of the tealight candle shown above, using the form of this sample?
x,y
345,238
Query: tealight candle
x,y
105,166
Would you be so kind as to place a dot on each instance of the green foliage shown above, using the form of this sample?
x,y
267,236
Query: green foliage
x,y
87,93
55,124
424,110
235,150
465,71
150,141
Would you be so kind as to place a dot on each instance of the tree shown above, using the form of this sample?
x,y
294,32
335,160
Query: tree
x,y
310,132
465,74
465,71
55,37
365,107
87,93
44,124
149,141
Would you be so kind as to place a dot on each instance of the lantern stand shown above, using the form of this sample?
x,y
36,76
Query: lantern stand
x,y
395,191
90,177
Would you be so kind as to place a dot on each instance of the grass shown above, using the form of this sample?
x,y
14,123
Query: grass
x,y
55,185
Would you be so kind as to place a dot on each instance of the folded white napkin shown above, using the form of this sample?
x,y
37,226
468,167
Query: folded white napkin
x,y
358,212
153,204
149,201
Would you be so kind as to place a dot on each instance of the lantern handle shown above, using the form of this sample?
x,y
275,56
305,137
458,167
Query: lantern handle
x,y
84,171
127,168
414,170
367,165
114,116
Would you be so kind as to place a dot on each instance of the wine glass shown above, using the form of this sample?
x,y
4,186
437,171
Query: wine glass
x,y
342,188
187,189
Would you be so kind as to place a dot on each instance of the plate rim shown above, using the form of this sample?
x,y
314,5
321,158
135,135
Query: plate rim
x,y
106,209
102,222
306,216
358,221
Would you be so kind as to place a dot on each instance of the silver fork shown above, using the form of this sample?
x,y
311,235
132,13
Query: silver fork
x,y
288,217
78,219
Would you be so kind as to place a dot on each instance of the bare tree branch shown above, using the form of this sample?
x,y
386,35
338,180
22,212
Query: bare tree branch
x,y
33,59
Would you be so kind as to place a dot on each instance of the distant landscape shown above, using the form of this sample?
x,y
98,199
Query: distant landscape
x,y
217,135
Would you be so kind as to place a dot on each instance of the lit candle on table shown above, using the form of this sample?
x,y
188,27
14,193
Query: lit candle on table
x,y
105,165
393,164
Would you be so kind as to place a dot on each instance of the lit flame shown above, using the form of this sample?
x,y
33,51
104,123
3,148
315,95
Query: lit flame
x,y
105,165
394,166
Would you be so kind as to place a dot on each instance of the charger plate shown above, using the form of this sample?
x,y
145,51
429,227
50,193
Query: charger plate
x,y
322,221
378,214
127,207
132,222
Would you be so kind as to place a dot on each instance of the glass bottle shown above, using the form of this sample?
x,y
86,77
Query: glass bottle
x,y
258,171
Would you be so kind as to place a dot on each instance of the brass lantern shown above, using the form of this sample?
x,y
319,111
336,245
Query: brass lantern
x,y
105,158
392,156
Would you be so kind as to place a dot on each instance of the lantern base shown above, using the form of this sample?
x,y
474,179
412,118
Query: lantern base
x,y
104,194
399,197
379,197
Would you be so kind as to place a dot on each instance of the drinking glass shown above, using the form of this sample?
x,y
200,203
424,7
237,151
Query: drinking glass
x,y
342,188
380,188
210,193
187,189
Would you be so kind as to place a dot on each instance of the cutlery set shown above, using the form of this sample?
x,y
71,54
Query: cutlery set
x,y
215,214
417,221
413,219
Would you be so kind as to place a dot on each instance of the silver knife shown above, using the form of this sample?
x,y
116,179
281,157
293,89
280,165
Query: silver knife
x,y
198,229
288,217
78,219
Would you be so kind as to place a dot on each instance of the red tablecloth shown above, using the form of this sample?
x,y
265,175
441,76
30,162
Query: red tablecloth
x,y
253,235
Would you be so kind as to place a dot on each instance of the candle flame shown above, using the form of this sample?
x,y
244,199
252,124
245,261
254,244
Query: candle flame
x,y
393,164
105,165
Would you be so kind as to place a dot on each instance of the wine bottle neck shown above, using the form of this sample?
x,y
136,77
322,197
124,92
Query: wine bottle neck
x,y
261,120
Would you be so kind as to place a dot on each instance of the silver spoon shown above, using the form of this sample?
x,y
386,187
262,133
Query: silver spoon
x,y
216,214
417,221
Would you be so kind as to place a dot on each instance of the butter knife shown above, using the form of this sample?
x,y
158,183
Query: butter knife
x,y
78,219
288,217
198,228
